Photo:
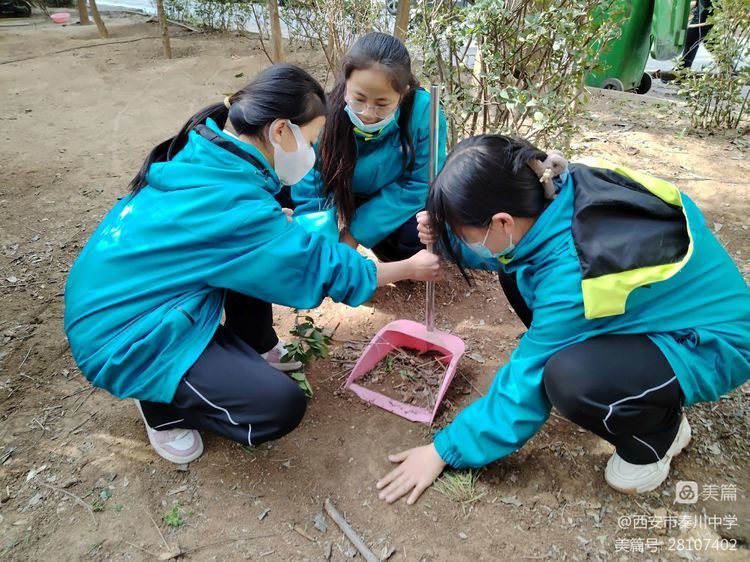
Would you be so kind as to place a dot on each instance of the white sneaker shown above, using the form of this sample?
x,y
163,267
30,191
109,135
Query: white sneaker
x,y
276,355
637,478
180,446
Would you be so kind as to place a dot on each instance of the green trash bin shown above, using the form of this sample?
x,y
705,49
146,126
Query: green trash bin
x,y
660,24
669,28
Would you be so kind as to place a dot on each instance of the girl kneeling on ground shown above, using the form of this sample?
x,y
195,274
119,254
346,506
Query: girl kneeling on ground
x,y
202,233
373,155
633,308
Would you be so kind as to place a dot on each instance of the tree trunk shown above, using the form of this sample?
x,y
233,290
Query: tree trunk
x,y
164,29
276,39
401,27
83,13
479,84
103,33
333,48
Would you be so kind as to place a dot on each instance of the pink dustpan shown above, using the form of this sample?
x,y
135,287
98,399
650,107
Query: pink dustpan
x,y
412,335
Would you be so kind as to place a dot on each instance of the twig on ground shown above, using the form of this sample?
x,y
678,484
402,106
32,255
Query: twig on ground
x,y
166,544
474,388
80,425
84,400
350,533
27,356
76,49
76,393
301,532
338,374
77,499
155,556
6,456
226,541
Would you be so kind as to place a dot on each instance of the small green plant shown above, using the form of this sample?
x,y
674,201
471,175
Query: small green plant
x,y
94,547
389,363
173,517
100,500
301,379
312,342
460,487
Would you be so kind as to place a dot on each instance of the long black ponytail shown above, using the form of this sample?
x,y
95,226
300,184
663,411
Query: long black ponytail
x,y
337,150
282,91
482,176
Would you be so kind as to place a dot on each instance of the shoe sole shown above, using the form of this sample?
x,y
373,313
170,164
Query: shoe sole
x,y
286,367
174,459
164,454
682,440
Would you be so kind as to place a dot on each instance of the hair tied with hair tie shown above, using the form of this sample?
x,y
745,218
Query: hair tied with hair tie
x,y
227,103
554,165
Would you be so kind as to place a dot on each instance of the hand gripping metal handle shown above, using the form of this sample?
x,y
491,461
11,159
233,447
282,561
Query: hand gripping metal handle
x,y
434,126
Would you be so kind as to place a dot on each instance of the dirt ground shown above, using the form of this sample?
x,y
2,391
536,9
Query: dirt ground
x,y
78,479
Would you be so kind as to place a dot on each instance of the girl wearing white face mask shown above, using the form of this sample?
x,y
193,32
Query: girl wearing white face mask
x,y
373,154
201,234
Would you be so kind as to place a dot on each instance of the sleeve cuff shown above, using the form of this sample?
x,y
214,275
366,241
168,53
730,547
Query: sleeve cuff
x,y
447,450
370,282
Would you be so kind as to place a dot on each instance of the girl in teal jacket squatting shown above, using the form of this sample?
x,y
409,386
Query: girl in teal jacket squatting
x,y
202,233
373,155
633,309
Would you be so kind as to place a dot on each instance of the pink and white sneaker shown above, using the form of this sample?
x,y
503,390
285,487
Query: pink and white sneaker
x,y
177,445
275,358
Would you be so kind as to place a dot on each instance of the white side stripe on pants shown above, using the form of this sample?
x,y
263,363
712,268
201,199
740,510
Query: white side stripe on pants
x,y
649,446
641,395
207,401
168,423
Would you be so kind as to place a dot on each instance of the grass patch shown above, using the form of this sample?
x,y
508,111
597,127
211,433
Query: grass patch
x,y
460,487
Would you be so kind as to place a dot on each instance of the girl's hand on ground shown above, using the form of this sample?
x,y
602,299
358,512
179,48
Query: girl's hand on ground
x,y
346,238
424,229
418,469
288,213
424,266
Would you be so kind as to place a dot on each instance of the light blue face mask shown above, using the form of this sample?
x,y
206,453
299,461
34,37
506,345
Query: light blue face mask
x,y
371,128
481,249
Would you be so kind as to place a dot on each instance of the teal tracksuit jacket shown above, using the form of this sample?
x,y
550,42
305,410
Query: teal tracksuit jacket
x,y
145,296
393,194
617,252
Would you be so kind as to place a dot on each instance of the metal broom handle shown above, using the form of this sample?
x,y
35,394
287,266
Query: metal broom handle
x,y
434,125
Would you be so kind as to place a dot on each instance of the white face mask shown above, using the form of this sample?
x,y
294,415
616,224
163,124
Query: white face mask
x,y
368,128
291,167
481,249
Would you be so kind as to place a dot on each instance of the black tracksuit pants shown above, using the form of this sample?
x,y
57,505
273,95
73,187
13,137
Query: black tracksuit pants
x,y
618,386
231,390
696,35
